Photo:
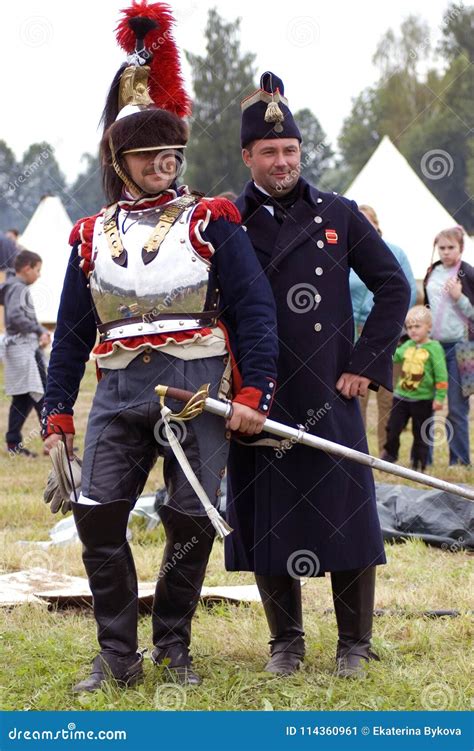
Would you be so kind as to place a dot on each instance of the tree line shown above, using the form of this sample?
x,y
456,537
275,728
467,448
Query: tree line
x,y
423,99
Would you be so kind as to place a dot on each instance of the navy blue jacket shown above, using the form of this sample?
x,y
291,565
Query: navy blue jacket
x,y
247,310
301,499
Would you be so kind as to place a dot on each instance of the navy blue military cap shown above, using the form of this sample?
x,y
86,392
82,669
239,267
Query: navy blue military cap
x,y
265,113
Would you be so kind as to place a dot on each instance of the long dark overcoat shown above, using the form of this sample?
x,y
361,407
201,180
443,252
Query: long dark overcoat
x,y
298,507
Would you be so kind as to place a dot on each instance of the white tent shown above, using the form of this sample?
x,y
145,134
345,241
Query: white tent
x,y
409,214
47,233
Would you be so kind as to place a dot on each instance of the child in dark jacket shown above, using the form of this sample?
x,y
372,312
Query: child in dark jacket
x,y
25,372
420,390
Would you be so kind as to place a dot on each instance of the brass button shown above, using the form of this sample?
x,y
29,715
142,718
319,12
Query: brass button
x,y
146,359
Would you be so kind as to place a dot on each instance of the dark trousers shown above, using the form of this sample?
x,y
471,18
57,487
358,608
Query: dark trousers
x,y
21,406
420,411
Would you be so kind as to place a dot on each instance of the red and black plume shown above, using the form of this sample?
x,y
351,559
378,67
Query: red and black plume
x,y
145,34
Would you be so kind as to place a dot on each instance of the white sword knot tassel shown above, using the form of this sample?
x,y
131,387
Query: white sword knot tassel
x,y
219,524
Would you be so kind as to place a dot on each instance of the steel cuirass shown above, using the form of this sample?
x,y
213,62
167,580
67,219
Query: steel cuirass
x,y
166,295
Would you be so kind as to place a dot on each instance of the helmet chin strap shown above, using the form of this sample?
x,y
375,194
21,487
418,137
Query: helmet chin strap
x,y
126,179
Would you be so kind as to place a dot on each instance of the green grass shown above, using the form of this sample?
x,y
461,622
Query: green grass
x,y
424,664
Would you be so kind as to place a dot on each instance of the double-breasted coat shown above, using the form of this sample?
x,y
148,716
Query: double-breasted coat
x,y
295,501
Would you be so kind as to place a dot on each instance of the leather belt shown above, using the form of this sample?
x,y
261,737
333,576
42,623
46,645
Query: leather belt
x,y
149,324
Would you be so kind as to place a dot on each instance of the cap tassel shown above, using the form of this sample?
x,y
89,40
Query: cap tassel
x,y
274,114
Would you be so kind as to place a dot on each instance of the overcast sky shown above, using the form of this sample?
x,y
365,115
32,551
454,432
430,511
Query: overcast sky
x,y
58,59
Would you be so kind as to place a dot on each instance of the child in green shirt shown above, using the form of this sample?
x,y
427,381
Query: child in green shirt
x,y
420,390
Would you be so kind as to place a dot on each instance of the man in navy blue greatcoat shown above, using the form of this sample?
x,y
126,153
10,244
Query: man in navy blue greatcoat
x,y
296,511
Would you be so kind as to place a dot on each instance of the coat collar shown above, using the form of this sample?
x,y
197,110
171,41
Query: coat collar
x,y
275,242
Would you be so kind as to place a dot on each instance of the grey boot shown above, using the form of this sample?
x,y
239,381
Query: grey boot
x,y
353,594
281,598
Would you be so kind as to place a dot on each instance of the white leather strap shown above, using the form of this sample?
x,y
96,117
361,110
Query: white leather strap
x,y
220,525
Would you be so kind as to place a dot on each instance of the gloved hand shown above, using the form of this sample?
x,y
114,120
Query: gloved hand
x,y
59,486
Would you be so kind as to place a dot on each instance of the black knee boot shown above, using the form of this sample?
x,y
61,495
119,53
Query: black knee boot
x,y
281,598
353,594
189,542
113,582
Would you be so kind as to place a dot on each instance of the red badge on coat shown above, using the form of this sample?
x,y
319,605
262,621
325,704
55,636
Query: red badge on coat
x,y
331,237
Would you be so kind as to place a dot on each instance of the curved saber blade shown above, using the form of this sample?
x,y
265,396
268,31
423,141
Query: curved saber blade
x,y
295,435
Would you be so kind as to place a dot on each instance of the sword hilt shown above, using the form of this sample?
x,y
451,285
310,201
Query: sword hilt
x,y
194,402
181,395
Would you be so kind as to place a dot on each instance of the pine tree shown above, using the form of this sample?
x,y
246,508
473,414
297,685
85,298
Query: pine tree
x,y
39,175
316,152
221,79
10,214
85,196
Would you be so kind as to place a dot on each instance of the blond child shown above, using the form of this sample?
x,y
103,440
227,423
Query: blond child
x,y
420,390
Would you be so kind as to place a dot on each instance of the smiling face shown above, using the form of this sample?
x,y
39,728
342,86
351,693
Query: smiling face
x,y
275,164
153,171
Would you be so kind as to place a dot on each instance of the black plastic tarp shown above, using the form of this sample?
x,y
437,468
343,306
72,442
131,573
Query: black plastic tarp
x,y
438,518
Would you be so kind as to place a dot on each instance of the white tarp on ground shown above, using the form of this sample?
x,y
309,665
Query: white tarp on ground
x,y
409,214
47,233
41,585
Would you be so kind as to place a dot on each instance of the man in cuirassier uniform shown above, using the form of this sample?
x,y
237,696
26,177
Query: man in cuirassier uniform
x,y
170,283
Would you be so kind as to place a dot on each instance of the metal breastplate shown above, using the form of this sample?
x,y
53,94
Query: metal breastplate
x,y
166,295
